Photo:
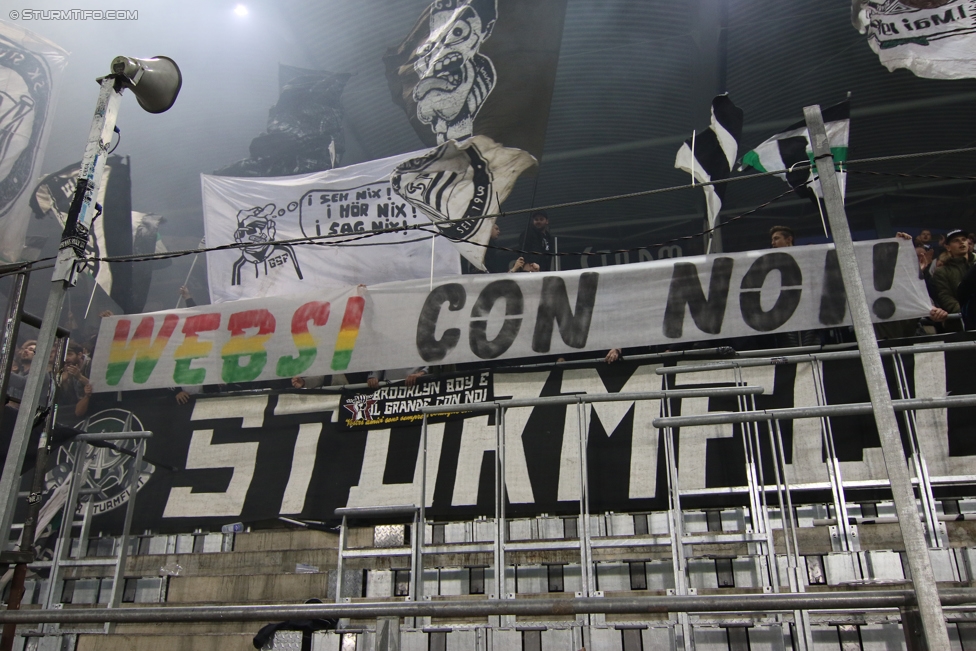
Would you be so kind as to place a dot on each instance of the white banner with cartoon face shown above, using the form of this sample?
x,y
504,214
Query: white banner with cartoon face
x,y
345,201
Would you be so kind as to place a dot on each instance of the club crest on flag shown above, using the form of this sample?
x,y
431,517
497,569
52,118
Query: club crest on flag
x,y
457,181
110,470
22,104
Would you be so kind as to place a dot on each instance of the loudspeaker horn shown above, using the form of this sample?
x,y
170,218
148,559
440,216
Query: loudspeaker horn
x,y
155,82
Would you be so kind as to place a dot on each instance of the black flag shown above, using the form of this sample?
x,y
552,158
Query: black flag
x,y
479,67
111,233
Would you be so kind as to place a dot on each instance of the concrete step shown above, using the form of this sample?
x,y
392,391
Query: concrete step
x,y
146,642
294,588
237,562
260,541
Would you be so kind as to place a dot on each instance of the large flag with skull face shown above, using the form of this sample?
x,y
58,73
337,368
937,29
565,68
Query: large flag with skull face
x,y
479,67
29,70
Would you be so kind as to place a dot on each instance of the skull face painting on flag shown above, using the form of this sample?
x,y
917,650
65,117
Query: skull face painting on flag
x,y
454,77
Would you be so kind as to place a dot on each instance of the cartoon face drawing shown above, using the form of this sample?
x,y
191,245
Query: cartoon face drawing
x,y
258,227
455,78
256,231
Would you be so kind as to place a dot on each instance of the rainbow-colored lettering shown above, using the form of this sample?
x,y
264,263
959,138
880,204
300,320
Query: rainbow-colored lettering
x,y
192,348
346,340
316,312
241,346
143,347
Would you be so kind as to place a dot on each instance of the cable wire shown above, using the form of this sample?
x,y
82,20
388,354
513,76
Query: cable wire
x,y
348,239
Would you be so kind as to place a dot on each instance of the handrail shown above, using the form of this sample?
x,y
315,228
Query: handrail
x,y
757,602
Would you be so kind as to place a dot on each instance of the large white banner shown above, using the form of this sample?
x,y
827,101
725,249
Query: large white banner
x,y
29,69
502,316
342,201
932,38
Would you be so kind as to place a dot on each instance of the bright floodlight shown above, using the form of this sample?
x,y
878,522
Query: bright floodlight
x,y
240,10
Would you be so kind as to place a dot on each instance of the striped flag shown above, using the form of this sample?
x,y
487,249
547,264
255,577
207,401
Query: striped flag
x,y
710,155
787,149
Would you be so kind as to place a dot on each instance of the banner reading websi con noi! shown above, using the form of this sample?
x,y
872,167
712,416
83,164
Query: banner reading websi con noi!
x,y
502,316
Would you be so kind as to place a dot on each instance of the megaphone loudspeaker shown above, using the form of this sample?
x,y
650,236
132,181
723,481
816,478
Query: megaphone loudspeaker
x,y
155,82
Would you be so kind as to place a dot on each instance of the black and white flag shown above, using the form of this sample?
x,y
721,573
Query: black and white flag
x,y
479,67
790,152
710,155
111,234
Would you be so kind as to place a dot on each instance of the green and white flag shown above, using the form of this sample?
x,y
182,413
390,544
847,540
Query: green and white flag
x,y
786,150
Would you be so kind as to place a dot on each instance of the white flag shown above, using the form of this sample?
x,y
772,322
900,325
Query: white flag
x,y
934,39
29,69
257,213
470,178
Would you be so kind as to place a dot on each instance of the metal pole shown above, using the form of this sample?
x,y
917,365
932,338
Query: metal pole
x,y
503,497
27,534
498,559
62,548
339,563
118,584
11,327
586,567
831,411
420,521
73,242
731,603
916,550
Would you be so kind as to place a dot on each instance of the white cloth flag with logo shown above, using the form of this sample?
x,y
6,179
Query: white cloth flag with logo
x,y
460,180
29,69
347,201
934,39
